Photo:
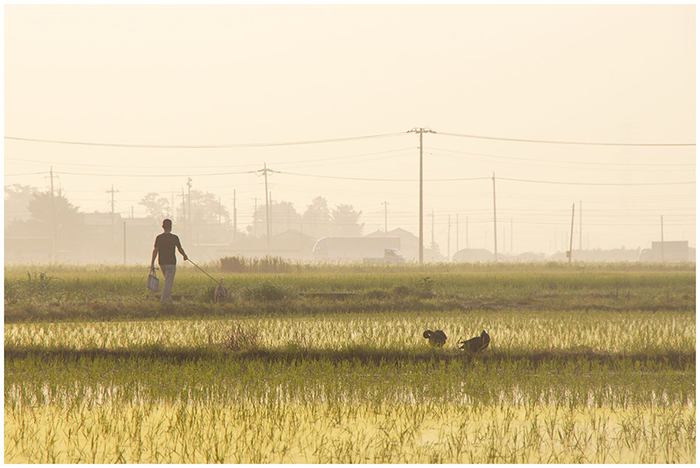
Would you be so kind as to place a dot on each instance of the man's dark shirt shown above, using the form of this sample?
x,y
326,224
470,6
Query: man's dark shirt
x,y
166,243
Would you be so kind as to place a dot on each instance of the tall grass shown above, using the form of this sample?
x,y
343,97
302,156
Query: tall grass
x,y
328,365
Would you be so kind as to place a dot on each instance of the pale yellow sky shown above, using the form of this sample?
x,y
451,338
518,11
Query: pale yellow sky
x,y
248,74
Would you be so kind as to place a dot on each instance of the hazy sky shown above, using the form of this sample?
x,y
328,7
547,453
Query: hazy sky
x,y
247,76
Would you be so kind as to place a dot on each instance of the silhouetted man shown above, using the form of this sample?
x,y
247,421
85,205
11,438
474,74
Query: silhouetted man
x,y
164,248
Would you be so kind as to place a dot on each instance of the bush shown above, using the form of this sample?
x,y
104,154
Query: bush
x,y
267,291
240,264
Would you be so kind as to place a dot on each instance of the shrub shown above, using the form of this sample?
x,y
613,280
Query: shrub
x,y
240,264
267,291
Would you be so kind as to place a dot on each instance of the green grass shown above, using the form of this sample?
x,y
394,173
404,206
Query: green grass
x,y
593,365
120,294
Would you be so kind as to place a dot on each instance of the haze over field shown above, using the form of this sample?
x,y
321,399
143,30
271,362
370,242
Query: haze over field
x,y
325,97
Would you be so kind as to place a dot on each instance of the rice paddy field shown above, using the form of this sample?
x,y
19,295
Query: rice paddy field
x,y
328,364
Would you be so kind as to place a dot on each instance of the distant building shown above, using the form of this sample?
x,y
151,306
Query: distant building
x,y
668,251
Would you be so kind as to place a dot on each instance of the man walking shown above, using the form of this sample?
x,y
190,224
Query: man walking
x,y
164,248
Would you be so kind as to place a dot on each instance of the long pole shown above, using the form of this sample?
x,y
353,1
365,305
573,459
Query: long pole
x,y
420,208
420,132
267,210
571,240
385,217
495,230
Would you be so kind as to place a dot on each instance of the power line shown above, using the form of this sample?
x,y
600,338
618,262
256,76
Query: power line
x,y
234,145
595,183
559,161
154,175
560,142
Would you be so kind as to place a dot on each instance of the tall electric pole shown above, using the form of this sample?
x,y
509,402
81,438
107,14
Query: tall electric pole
x,y
495,230
54,223
265,170
112,215
112,191
385,217
420,132
571,239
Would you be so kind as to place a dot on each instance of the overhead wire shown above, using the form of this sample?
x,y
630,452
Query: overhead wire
x,y
564,142
230,145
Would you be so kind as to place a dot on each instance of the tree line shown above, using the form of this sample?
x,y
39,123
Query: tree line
x,y
29,210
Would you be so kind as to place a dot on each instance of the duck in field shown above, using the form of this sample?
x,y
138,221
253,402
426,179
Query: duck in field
x,y
476,344
436,338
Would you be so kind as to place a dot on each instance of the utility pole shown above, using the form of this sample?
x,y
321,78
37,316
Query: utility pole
x,y
54,224
432,235
265,170
385,217
495,230
112,215
571,239
112,203
420,132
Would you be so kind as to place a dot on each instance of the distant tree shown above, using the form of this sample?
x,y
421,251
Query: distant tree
x,y
47,209
203,209
283,216
345,221
55,216
317,218
17,198
156,206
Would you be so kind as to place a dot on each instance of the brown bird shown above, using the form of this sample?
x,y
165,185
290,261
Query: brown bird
x,y
436,338
476,344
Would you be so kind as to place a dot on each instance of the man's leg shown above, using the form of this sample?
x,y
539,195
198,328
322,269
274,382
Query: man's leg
x,y
169,274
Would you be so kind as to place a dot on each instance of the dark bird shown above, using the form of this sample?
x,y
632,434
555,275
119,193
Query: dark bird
x,y
436,338
476,344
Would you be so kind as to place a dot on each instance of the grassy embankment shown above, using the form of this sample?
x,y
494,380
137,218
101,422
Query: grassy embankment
x,y
593,365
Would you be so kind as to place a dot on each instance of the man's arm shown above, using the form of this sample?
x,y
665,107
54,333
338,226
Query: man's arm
x,y
153,257
179,248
